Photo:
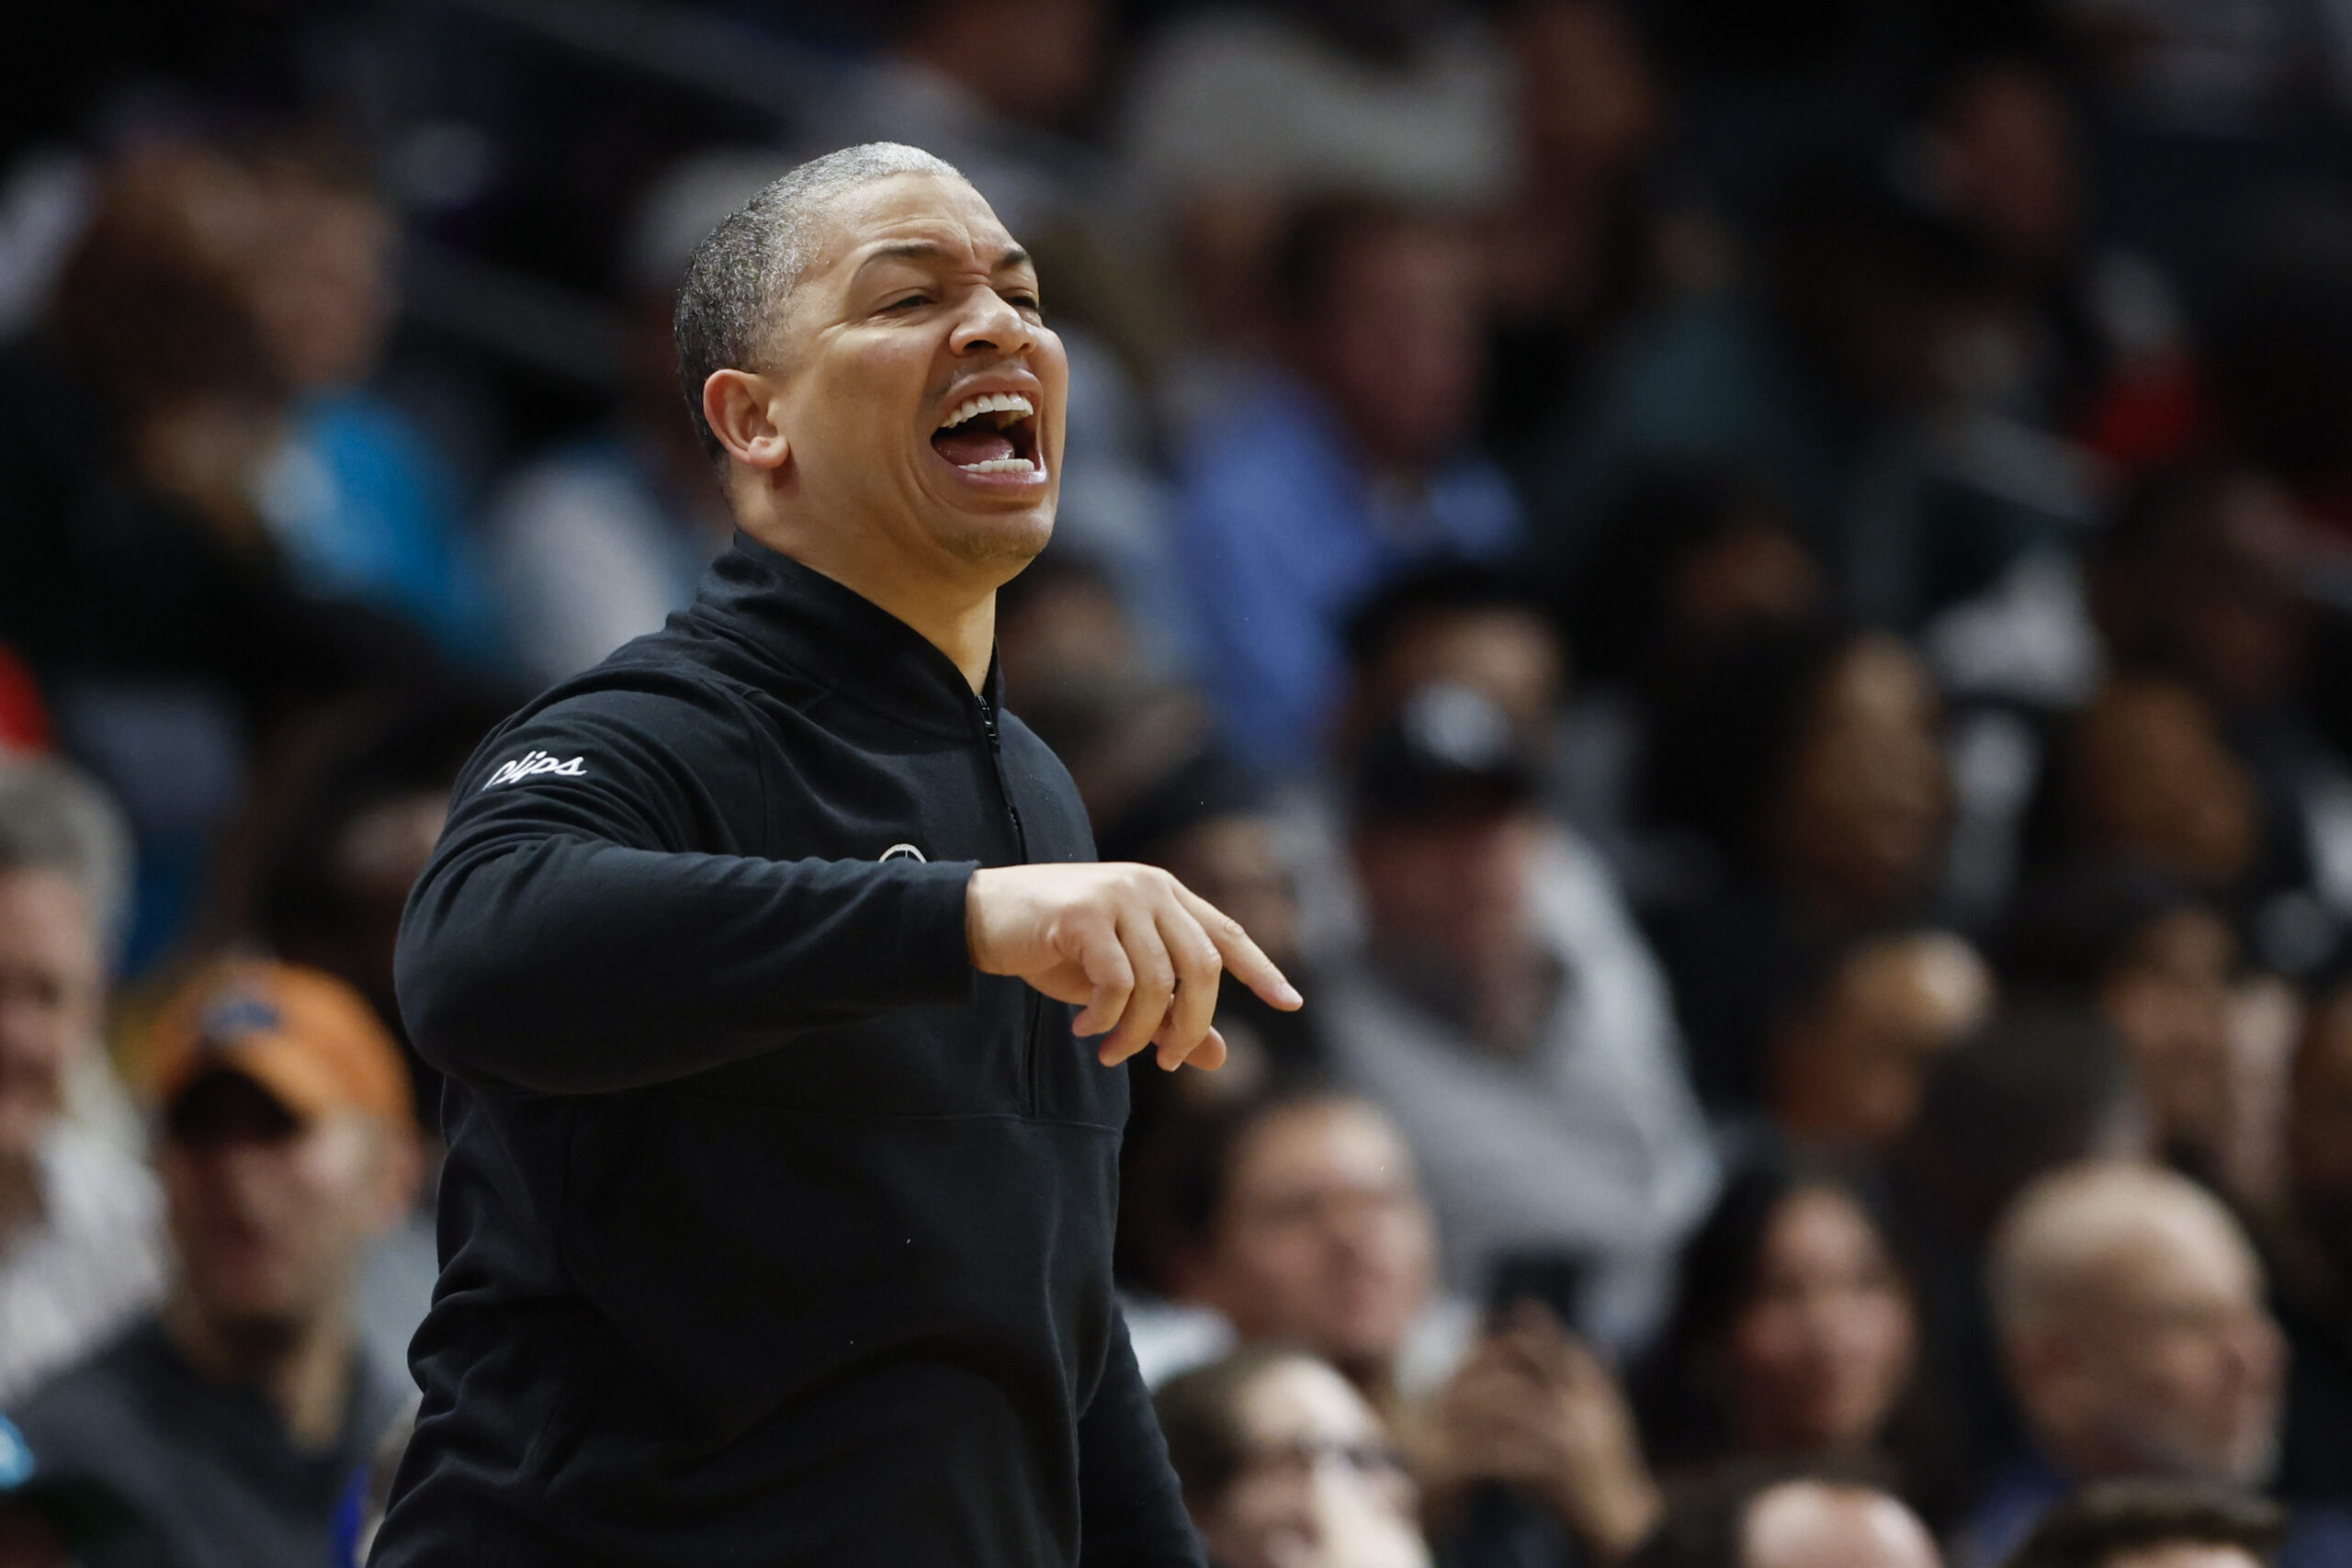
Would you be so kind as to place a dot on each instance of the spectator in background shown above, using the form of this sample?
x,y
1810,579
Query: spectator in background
x,y
1692,554
1234,115
1460,622
2131,1321
79,1252
1284,1465
1805,759
2144,1525
358,504
597,541
1504,1011
234,1419
1776,1520
140,577
2107,356
1574,248
2161,965
1298,1219
2195,583
1849,1056
2147,776
1313,483
1798,1335
1872,338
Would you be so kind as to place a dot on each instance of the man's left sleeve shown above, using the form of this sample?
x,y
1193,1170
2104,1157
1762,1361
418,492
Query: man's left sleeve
x,y
1131,1514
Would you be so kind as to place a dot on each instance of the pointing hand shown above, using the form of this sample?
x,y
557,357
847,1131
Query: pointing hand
x,y
1139,948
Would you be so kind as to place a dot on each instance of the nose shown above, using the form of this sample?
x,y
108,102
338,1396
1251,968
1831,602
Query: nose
x,y
989,324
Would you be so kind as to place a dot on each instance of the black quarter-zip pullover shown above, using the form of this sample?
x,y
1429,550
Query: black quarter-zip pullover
x,y
770,1232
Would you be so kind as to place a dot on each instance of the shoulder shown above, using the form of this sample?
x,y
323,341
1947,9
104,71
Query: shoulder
x,y
656,742
98,1401
645,702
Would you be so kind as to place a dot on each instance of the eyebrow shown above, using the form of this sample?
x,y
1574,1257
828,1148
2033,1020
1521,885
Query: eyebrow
x,y
925,250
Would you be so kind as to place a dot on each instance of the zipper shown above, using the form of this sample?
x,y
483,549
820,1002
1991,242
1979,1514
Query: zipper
x,y
1031,1058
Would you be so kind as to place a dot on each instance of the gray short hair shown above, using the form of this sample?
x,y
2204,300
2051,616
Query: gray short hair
x,y
2067,1225
55,818
743,271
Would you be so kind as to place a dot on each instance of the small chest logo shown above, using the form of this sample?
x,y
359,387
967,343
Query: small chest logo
x,y
904,851
531,763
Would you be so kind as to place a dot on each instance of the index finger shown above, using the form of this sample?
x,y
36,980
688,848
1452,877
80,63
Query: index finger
x,y
1243,958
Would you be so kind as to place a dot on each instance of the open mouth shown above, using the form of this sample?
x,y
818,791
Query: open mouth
x,y
995,433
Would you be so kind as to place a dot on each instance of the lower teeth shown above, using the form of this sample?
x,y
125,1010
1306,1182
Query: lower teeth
x,y
1000,466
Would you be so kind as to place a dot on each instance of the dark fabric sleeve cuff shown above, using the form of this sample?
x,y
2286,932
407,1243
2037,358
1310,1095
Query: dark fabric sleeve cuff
x,y
935,955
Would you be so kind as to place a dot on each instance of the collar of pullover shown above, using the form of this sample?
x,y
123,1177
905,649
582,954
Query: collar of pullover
x,y
821,630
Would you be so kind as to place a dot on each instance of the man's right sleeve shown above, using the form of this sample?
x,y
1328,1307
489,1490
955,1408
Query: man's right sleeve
x,y
562,941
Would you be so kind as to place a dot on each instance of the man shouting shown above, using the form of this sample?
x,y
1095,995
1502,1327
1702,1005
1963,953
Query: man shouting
x,y
777,1223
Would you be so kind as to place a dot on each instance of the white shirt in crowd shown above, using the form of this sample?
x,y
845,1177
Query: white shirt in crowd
x,y
1590,1143
91,1263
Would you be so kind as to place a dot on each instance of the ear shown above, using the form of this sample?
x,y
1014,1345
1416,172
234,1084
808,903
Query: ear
x,y
740,407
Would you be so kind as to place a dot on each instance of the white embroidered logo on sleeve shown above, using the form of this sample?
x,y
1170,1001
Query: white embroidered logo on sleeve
x,y
531,763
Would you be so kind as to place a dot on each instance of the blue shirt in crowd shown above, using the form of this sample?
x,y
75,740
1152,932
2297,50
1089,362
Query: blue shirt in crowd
x,y
1281,527
364,510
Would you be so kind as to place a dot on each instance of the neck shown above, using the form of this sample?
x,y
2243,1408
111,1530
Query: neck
x,y
304,1370
953,605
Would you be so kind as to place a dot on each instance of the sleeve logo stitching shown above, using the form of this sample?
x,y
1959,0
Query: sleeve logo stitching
x,y
535,762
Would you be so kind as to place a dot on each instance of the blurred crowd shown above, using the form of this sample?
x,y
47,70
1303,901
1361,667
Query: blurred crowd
x,y
1756,598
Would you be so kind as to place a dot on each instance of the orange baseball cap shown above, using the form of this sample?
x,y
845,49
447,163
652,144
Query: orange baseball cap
x,y
309,1039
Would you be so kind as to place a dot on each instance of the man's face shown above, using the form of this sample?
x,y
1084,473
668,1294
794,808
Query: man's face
x,y
1809,1524
1854,1067
52,998
2167,1362
271,1215
1323,1239
1394,342
1868,801
917,304
1455,888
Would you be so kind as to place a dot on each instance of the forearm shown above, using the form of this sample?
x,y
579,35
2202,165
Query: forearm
x,y
570,965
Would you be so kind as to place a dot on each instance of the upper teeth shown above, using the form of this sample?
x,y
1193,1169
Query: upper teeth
x,y
990,402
